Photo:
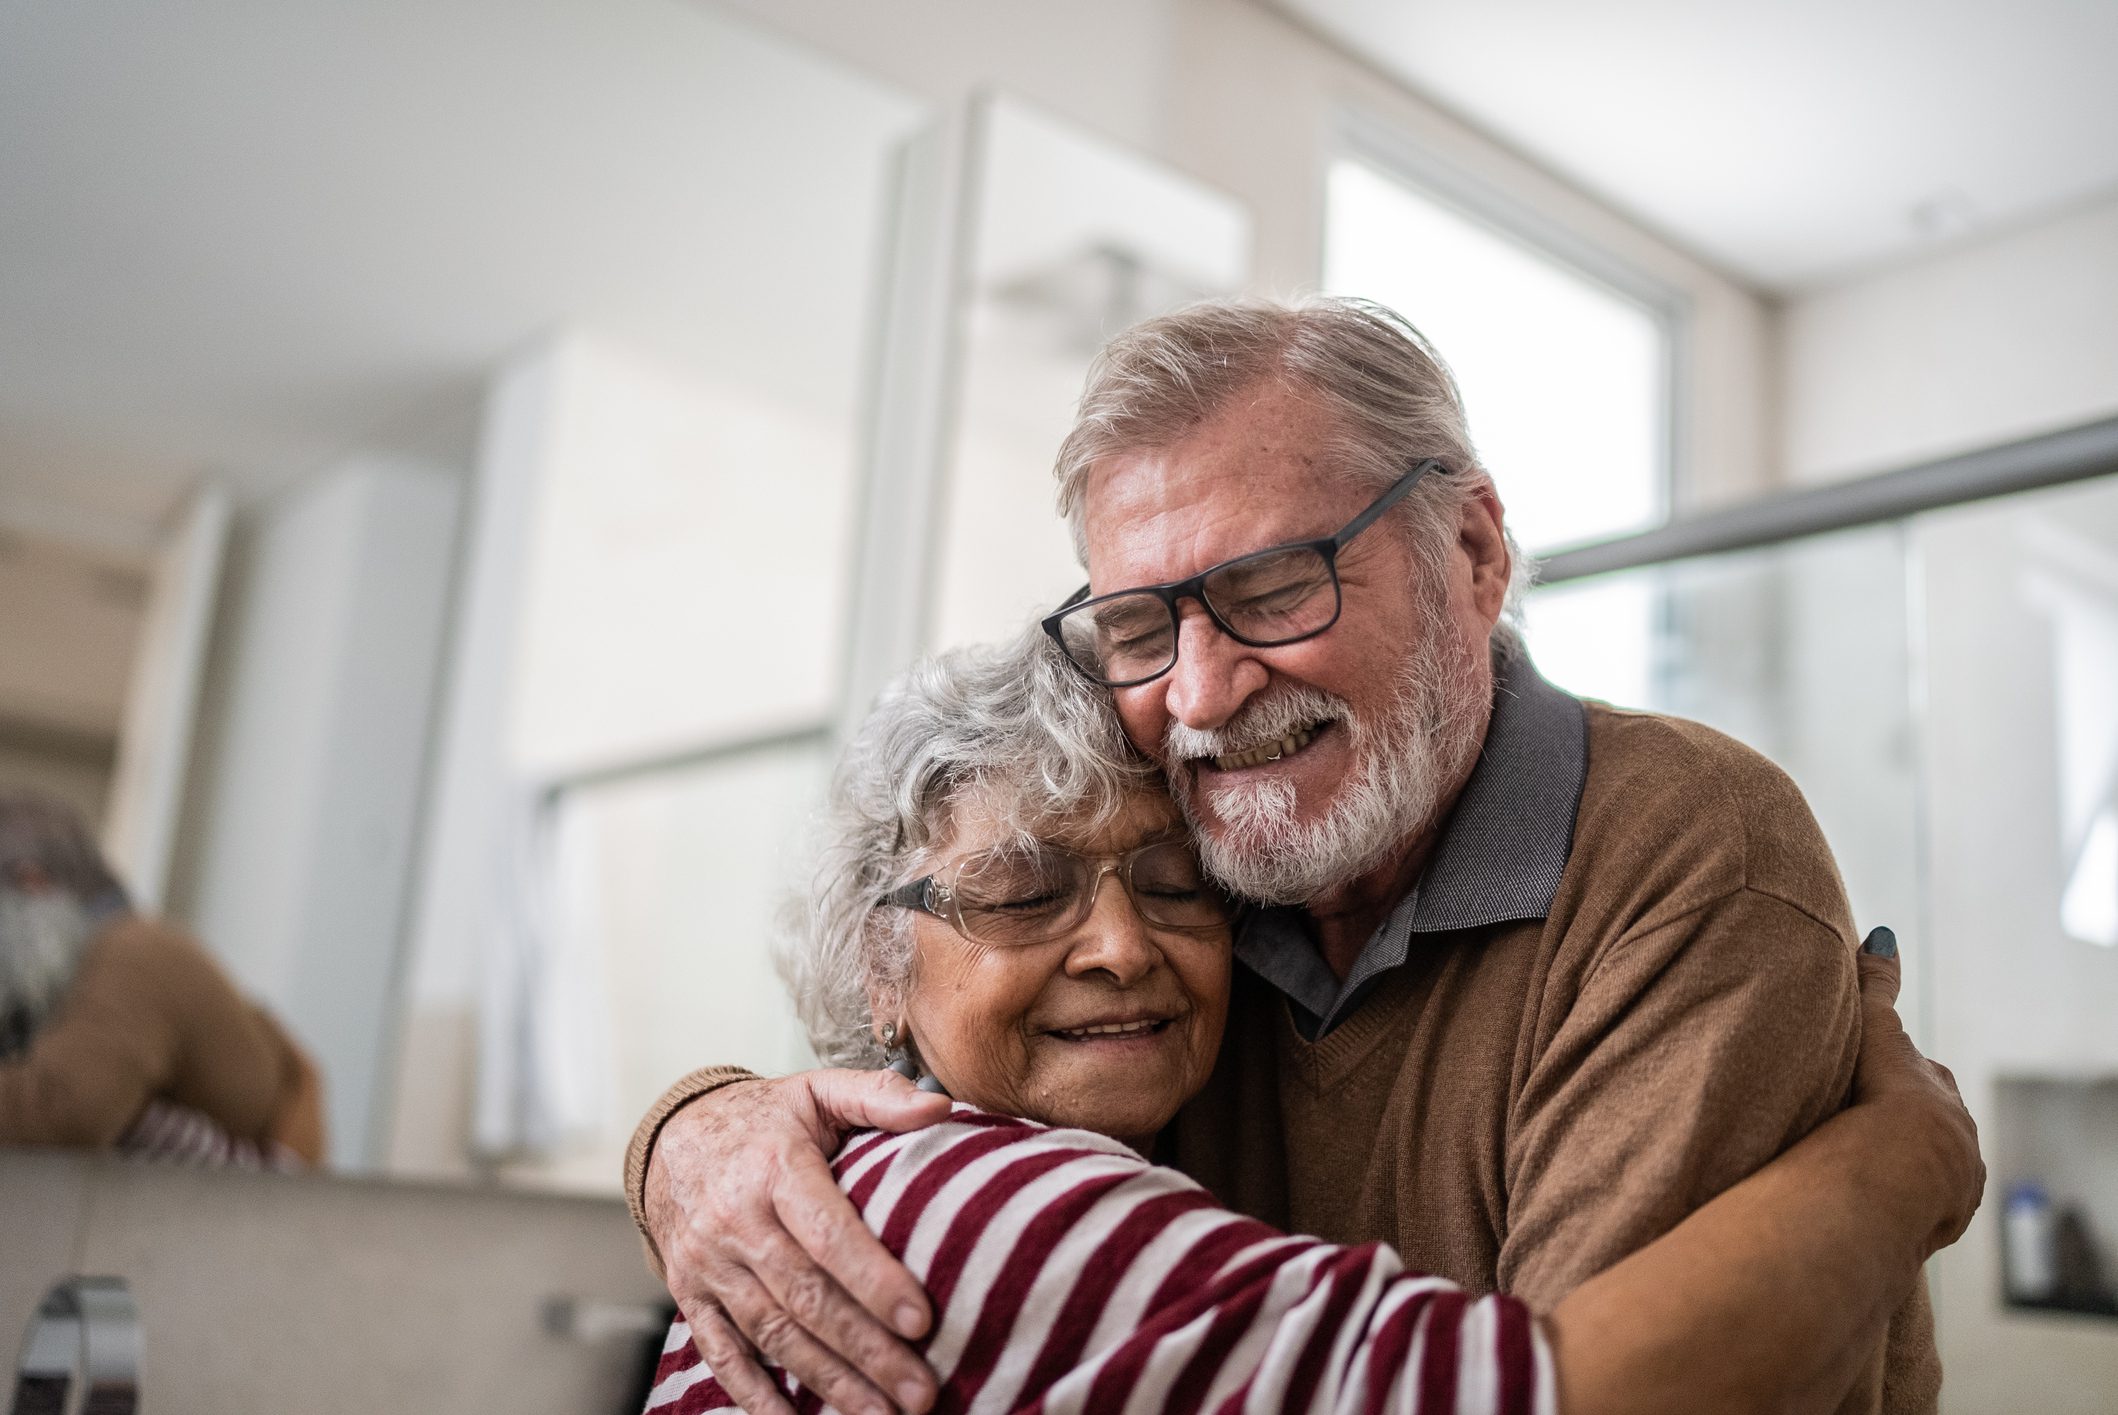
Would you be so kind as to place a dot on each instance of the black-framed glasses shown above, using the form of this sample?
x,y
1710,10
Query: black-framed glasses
x,y
1280,595
1030,892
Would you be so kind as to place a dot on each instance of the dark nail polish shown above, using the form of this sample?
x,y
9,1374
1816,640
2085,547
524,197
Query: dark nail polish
x,y
1882,943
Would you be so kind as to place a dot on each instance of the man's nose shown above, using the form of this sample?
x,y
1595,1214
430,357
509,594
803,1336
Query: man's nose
x,y
1213,675
1113,939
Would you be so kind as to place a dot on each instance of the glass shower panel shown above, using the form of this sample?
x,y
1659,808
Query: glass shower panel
x,y
1800,651
2020,753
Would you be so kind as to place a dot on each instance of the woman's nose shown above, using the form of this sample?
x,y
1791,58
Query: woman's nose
x,y
1113,939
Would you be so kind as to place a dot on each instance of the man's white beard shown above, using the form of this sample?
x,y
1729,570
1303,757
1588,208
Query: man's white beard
x,y
1403,766
42,937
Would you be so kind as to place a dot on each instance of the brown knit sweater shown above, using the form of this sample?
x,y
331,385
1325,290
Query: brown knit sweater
x,y
1518,1107
151,1016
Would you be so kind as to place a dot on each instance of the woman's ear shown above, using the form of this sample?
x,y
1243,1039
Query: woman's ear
x,y
886,1007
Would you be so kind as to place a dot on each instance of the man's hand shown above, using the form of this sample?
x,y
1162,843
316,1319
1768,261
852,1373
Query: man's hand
x,y
760,1246
1920,1094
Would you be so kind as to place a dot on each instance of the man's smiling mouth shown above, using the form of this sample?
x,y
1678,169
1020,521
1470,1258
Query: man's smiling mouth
x,y
1271,751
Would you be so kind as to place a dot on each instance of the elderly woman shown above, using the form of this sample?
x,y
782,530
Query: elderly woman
x,y
1007,908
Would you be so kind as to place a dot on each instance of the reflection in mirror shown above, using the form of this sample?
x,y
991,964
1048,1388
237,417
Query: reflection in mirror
x,y
536,391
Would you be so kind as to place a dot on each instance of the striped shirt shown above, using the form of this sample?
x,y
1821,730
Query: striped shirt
x,y
1067,1273
182,1135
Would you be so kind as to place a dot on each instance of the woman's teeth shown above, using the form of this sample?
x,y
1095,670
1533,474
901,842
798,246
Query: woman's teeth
x,y
1111,1029
1268,752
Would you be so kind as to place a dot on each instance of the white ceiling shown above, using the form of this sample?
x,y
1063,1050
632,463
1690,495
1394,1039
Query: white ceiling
x,y
1788,141
244,239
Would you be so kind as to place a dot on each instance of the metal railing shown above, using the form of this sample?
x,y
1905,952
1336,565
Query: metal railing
x,y
2053,459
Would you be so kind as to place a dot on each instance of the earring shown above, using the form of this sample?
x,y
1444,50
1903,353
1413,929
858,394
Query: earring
x,y
895,1057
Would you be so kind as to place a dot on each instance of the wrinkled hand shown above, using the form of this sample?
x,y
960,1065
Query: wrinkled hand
x,y
760,1246
1921,1101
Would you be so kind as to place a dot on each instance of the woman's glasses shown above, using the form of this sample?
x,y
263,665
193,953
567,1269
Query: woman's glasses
x,y
1264,599
1030,892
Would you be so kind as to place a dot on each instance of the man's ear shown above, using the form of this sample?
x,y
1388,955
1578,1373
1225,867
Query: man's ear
x,y
1482,539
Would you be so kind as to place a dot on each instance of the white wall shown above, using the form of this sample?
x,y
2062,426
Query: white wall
x,y
1245,99
1104,63
314,740
1992,341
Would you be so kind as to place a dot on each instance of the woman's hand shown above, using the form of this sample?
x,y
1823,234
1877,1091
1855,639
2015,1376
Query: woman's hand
x,y
759,1245
1915,1100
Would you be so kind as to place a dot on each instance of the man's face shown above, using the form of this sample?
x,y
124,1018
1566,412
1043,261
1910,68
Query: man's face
x,y
1369,721
43,932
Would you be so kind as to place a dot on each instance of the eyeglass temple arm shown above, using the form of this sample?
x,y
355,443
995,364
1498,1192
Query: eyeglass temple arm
x,y
916,895
1388,499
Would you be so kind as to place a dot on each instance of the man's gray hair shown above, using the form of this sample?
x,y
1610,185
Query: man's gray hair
x,y
1386,389
1014,721
45,834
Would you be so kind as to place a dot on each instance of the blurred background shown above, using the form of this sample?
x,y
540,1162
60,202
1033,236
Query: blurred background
x,y
463,463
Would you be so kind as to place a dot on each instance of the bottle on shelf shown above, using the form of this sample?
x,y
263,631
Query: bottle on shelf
x,y
2029,1257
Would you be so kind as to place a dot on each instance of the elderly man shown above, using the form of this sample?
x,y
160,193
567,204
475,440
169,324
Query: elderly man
x,y
1530,978
117,1031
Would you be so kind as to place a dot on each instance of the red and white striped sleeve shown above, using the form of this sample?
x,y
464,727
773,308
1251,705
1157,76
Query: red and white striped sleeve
x,y
1068,1274
183,1135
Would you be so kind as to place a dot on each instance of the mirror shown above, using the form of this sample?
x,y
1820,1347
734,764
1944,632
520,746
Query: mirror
x,y
439,548
515,399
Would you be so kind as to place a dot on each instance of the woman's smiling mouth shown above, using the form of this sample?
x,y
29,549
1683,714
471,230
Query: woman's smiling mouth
x,y
1137,1028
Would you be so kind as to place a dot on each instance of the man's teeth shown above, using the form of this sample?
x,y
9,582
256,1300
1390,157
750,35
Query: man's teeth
x,y
1267,752
1110,1029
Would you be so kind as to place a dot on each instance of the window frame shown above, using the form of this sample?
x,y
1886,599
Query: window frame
x,y
1388,150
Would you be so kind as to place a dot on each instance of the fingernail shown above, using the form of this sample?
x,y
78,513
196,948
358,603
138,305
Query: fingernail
x,y
1880,942
912,1396
909,1321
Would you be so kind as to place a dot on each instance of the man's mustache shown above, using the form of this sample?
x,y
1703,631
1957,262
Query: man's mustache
x,y
1271,715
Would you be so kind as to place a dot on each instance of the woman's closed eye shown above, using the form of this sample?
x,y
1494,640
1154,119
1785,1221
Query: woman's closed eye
x,y
1026,904
1171,891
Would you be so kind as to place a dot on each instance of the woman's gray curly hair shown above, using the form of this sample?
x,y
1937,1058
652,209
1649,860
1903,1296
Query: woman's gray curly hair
x,y
1015,719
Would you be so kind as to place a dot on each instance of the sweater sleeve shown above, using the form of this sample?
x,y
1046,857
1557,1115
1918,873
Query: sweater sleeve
x,y
1069,1274
1694,1053
687,1089
149,1015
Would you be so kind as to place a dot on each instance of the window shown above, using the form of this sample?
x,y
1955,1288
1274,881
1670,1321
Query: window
x,y
1565,379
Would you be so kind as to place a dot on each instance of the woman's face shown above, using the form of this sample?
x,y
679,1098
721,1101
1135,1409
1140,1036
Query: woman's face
x,y
1007,1027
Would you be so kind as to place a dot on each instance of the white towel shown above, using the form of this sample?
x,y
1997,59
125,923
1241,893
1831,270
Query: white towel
x,y
546,1070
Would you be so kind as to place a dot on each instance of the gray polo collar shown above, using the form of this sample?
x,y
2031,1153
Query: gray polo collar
x,y
1498,861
